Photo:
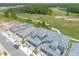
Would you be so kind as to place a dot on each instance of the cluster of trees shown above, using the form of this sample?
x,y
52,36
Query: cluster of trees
x,y
10,14
37,9
73,8
33,9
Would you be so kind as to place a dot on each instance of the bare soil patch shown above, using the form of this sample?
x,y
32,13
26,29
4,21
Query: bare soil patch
x,y
5,25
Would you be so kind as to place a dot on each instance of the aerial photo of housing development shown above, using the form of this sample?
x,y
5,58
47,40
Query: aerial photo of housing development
x,y
39,29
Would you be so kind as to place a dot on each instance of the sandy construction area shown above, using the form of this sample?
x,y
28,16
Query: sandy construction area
x,y
5,25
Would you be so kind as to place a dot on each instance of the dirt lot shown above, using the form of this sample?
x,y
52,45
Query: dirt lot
x,y
68,18
5,25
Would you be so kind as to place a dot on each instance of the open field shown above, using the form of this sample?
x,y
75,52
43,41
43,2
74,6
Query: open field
x,y
68,28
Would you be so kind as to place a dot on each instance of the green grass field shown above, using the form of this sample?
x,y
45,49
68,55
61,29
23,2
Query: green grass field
x,y
70,29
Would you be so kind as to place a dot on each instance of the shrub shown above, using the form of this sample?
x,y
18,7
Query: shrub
x,y
6,14
38,24
29,21
23,41
43,24
5,53
49,12
13,15
35,50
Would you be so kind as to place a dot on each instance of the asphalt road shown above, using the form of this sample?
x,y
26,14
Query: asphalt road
x,y
9,46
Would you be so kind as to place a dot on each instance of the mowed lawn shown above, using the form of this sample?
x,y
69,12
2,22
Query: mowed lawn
x,y
70,29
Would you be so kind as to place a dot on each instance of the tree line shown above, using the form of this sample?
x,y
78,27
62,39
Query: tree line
x,y
33,9
70,7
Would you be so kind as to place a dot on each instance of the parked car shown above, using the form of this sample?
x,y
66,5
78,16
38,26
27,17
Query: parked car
x,y
16,46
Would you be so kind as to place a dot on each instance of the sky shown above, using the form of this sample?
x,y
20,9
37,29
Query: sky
x,y
39,1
